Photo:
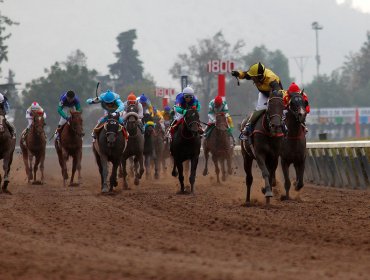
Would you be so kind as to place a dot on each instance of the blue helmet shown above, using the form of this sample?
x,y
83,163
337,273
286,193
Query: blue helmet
x,y
143,98
167,108
108,96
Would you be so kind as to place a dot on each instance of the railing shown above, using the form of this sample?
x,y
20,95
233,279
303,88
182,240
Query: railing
x,y
337,164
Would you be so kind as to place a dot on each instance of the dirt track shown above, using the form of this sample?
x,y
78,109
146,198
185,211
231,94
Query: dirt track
x,y
149,232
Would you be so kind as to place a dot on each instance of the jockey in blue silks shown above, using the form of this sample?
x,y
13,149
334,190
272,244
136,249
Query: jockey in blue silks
x,y
111,103
184,101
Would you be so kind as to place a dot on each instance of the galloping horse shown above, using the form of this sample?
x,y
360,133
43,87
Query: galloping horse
x,y
70,144
294,145
135,146
109,146
158,142
267,139
218,143
7,146
186,146
34,145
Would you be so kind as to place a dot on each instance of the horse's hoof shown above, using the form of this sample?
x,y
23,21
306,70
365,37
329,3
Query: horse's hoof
x,y
298,188
136,181
224,178
205,172
73,185
263,190
284,197
156,176
5,191
268,194
174,174
247,204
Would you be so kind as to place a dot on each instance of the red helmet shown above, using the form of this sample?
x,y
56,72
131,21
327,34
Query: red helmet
x,y
218,101
293,88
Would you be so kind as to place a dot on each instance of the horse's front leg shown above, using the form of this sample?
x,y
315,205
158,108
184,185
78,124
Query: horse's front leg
x,y
229,168
206,156
217,169
30,162
193,173
147,166
248,177
35,168
6,167
25,160
64,167
124,173
74,168
266,176
104,174
223,169
140,159
42,160
299,170
79,157
180,171
113,176
285,169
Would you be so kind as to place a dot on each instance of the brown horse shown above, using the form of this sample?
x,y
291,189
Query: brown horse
x,y
70,144
294,145
7,146
267,139
218,143
33,145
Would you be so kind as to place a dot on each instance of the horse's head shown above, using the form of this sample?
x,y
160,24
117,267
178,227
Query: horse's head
x,y
131,108
38,122
191,120
149,128
297,106
75,122
274,113
221,121
131,121
112,128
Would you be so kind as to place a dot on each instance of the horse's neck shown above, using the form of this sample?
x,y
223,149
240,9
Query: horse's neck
x,y
294,126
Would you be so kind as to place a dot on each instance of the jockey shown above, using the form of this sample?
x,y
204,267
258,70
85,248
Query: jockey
x,y
111,103
68,101
131,100
184,100
217,105
294,88
167,116
34,108
266,81
147,105
158,114
4,104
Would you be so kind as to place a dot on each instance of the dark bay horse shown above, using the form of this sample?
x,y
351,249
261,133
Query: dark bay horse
x,y
70,145
159,142
185,145
150,150
267,139
109,147
135,146
33,145
218,144
7,146
294,145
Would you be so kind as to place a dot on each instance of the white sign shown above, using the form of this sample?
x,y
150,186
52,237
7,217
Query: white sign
x,y
165,92
220,66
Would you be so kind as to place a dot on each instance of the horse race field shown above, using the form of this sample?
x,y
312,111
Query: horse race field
x,y
52,232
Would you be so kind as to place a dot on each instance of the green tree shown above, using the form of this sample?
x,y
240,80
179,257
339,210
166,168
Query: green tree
x,y
60,78
194,64
128,69
4,23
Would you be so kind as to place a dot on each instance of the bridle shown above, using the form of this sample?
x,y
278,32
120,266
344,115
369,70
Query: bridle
x,y
270,117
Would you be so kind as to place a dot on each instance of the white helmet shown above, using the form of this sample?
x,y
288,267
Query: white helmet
x,y
188,90
35,106
1,98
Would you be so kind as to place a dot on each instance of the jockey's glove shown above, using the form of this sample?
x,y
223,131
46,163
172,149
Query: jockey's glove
x,y
89,101
114,114
235,73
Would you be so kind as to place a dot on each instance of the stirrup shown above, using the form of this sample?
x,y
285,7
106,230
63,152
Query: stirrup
x,y
242,136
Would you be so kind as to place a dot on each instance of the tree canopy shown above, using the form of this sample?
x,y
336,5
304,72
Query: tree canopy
x,y
71,74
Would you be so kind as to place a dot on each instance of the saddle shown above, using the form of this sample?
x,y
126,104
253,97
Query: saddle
x,y
99,127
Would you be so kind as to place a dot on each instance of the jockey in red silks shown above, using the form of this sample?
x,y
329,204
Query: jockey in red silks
x,y
185,100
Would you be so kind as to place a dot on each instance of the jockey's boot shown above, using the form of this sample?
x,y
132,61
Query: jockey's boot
x,y
24,134
93,135
284,128
57,133
11,129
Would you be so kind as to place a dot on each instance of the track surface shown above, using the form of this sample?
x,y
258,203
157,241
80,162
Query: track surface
x,y
149,232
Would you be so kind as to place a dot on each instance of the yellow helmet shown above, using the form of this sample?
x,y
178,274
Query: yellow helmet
x,y
256,70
